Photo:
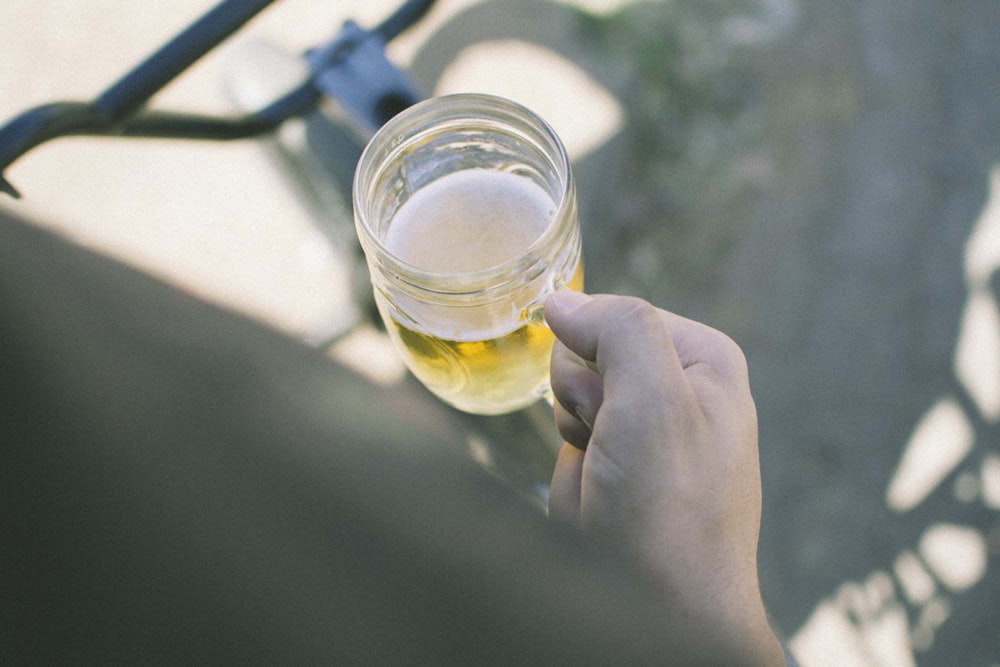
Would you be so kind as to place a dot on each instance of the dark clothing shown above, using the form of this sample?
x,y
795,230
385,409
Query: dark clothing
x,y
183,485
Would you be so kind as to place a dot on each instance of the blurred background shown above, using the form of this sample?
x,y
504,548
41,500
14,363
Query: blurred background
x,y
820,181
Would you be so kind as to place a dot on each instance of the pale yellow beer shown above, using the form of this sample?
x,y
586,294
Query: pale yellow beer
x,y
491,376
466,210
470,221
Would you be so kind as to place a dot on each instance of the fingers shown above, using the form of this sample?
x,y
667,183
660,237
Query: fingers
x,y
694,342
564,494
638,338
699,345
670,471
628,343
579,392
625,365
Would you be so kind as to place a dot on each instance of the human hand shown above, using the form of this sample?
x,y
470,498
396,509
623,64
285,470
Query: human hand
x,y
661,459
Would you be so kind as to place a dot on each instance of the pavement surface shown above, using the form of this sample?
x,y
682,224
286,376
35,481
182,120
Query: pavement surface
x,y
820,181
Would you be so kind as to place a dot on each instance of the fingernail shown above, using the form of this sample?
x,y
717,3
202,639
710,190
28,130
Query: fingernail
x,y
567,300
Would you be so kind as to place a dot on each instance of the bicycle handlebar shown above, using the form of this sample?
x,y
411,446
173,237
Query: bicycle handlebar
x,y
115,111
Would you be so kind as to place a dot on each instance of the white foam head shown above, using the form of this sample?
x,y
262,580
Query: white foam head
x,y
469,221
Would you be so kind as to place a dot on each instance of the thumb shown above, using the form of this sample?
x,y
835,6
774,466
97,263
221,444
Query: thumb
x,y
627,342
558,313
614,333
563,302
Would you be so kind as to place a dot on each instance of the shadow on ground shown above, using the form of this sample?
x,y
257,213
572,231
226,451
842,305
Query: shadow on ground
x,y
805,177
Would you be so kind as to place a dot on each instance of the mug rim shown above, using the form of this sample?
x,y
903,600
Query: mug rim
x,y
457,110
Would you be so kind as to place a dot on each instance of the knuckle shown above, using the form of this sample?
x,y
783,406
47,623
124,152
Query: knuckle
x,y
724,357
636,311
733,358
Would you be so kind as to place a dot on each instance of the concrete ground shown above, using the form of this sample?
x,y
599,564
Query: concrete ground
x,y
820,181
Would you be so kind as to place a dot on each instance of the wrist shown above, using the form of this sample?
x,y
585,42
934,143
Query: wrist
x,y
723,626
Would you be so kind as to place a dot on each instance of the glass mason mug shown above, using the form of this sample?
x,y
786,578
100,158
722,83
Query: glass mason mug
x,y
465,208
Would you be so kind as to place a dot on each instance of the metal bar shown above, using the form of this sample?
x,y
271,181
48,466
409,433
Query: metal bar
x,y
128,94
406,15
114,111
132,91
172,125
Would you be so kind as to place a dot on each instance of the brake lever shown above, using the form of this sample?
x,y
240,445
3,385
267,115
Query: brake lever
x,y
353,70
